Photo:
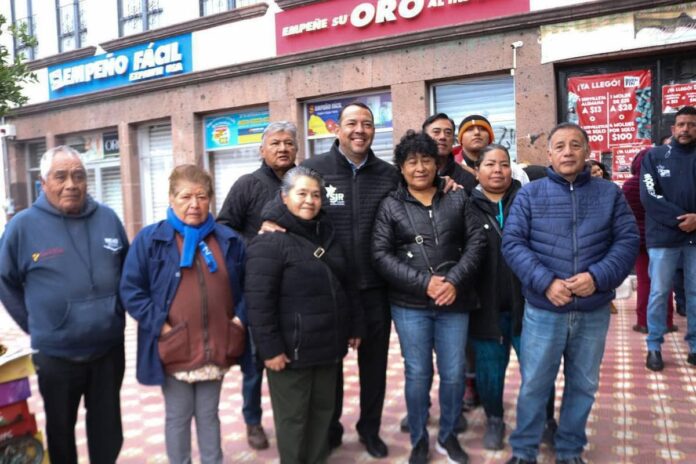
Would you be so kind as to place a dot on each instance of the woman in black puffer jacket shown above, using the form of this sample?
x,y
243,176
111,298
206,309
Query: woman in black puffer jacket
x,y
498,324
428,249
300,310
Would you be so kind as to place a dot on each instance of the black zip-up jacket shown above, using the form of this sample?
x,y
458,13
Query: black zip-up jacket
x,y
351,201
458,174
299,304
449,235
495,283
245,201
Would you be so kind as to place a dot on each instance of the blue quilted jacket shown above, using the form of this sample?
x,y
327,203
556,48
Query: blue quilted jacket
x,y
557,229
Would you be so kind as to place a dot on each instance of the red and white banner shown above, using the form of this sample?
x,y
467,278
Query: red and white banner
x,y
615,109
676,96
338,22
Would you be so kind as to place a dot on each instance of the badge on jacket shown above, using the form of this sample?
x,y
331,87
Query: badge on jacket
x,y
335,198
112,244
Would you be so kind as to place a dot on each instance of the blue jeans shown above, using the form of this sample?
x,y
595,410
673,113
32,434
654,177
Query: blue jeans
x,y
420,331
578,338
252,375
663,264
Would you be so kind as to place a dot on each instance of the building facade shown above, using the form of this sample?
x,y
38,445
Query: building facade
x,y
139,86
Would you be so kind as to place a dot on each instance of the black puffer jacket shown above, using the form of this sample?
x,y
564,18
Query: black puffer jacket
x,y
449,234
351,203
246,199
497,286
296,303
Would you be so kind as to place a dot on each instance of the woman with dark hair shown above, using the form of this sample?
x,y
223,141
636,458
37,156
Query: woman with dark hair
x,y
598,169
428,249
182,282
497,326
301,299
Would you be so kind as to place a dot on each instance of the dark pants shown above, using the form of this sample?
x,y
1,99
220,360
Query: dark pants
x,y
492,358
252,377
372,365
303,402
62,384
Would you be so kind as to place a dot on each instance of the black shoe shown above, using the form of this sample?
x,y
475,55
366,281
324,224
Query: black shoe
x,y
516,460
375,446
576,460
495,433
673,328
640,329
549,436
453,450
691,359
419,453
461,425
403,425
654,361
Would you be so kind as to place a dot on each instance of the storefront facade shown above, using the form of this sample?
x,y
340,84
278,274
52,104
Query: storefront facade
x,y
484,57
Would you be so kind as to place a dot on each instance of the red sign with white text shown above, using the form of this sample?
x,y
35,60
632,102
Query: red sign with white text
x,y
338,22
615,109
675,96
622,158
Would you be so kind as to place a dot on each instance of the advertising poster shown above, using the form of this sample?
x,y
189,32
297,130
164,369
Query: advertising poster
x,y
622,157
675,96
615,109
322,117
230,130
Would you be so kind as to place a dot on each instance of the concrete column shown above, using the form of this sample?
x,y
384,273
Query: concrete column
x,y
187,140
130,178
409,107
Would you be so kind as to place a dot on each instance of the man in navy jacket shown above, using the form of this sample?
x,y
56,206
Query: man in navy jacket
x,y
60,265
668,193
571,239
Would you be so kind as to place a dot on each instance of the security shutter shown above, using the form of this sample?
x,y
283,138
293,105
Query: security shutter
x,y
230,165
156,165
492,98
111,192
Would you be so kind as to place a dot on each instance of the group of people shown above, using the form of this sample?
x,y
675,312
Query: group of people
x,y
306,262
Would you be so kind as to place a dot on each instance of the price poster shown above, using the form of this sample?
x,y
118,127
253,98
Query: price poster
x,y
622,158
615,109
675,96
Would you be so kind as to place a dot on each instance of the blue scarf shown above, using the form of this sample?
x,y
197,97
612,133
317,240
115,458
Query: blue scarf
x,y
194,236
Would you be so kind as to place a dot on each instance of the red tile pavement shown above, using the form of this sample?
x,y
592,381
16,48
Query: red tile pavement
x,y
639,416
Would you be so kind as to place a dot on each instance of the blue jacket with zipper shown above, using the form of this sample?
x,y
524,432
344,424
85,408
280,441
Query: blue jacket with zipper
x,y
59,278
668,190
151,278
557,229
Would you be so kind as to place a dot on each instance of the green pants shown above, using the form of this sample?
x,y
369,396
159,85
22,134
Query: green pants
x,y
303,403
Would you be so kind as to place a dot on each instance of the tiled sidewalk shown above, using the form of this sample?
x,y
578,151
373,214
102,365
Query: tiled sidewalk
x,y
639,416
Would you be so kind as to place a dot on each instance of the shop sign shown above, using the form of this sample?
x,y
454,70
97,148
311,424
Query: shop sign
x,y
676,96
325,24
161,58
615,109
110,142
231,130
322,117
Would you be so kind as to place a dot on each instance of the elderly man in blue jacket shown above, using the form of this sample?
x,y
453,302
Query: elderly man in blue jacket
x,y
60,265
571,239
668,193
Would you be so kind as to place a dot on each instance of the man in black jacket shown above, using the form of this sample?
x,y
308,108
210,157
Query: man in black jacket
x,y
356,182
668,193
441,128
242,212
